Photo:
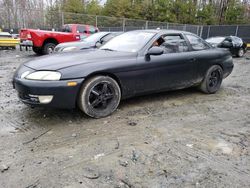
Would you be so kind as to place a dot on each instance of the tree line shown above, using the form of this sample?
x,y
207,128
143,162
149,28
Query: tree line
x,y
178,11
48,13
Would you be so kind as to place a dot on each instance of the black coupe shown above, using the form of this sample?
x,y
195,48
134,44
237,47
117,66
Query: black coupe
x,y
133,63
235,44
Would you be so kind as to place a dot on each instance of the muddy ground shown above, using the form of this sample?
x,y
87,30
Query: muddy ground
x,y
176,139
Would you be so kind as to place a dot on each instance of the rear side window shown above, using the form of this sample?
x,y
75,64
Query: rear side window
x,y
81,29
197,43
238,40
67,29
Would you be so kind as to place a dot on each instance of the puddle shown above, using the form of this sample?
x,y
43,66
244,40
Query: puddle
x,y
221,146
8,130
224,147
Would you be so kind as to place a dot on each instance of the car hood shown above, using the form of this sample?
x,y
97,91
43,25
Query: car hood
x,y
68,59
78,45
213,44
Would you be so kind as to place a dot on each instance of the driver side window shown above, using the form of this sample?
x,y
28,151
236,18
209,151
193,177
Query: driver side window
x,y
175,44
172,44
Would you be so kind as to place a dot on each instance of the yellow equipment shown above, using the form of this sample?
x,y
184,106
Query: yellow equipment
x,y
6,40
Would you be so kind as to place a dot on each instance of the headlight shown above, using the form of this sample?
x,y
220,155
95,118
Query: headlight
x,y
71,48
25,74
43,75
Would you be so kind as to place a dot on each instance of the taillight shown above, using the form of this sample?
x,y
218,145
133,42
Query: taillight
x,y
28,36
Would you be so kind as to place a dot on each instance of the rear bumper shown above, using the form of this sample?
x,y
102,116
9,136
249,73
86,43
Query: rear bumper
x,y
26,43
63,96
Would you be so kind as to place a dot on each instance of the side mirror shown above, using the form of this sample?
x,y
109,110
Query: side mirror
x,y
98,44
155,50
226,44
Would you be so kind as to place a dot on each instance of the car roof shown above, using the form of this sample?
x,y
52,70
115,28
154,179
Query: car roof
x,y
107,32
163,31
218,37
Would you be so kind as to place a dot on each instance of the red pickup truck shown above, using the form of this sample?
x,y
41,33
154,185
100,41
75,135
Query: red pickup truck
x,y
43,42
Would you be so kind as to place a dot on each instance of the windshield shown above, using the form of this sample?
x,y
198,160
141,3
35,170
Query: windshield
x,y
129,42
94,38
215,40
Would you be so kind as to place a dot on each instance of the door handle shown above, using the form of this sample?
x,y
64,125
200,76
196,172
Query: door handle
x,y
192,60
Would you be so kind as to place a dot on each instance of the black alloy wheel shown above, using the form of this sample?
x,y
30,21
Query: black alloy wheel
x,y
213,79
99,96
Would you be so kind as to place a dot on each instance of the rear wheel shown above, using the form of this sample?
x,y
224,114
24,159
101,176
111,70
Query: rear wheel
x,y
48,48
213,79
37,50
240,52
99,96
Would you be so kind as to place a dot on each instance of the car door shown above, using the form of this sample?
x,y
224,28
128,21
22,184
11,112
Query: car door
x,y
176,68
205,55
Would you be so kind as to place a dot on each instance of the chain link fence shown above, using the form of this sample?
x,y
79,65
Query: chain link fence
x,y
242,31
42,19
45,19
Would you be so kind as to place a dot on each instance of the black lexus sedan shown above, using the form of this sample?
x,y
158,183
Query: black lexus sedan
x,y
93,41
235,44
133,63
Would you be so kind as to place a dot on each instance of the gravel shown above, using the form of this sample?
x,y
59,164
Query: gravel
x,y
175,139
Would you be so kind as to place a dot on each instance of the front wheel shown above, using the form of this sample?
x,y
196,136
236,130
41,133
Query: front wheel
x,y
99,96
213,79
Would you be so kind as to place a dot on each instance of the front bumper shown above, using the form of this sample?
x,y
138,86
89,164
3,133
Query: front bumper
x,y
64,96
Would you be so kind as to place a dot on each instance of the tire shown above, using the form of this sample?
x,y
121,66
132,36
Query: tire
x,y
99,96
37,50
240,52
48,48
212,81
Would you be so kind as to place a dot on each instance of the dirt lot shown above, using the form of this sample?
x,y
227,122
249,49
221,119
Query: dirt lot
x,y
175,139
